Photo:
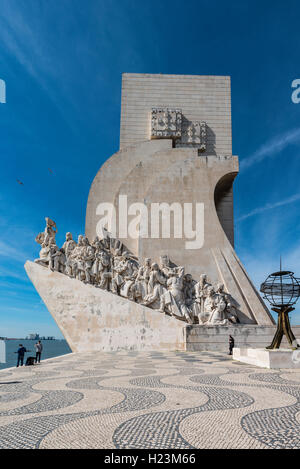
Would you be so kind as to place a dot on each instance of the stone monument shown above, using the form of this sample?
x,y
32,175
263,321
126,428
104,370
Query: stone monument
x,y
156,268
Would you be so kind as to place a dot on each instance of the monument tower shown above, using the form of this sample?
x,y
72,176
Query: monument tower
x,y
176,147
158,249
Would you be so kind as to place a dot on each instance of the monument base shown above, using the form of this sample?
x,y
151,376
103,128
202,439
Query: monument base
x,y
95,320
199,338
92,319
280,358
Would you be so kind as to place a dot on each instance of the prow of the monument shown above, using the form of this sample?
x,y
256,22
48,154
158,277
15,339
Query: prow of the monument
x,y
167,197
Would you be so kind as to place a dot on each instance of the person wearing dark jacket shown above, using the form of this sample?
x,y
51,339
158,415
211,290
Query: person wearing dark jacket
x,y
231,344
21,352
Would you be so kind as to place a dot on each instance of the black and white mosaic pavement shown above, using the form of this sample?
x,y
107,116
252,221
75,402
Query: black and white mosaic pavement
x,y
149,400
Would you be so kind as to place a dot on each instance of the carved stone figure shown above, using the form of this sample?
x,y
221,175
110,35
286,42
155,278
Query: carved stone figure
x,y
231,309
174,299
215,306
50,231
78,259
140,287
218,315
47,241
101,269
117,279
129,274
189,290
57,259
165,267
89,255
209,304
156,288
106,263
200,296
156,277
44,256
67,249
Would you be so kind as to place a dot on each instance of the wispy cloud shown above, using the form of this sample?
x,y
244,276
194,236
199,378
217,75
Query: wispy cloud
x,y
270,206
13,274
6,250
19,38
262,262
7,286
272,147
26,39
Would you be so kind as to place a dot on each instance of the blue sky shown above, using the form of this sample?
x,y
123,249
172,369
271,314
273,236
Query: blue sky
x,y
62,63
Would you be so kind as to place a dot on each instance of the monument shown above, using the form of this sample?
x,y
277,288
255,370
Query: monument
x,y
156,268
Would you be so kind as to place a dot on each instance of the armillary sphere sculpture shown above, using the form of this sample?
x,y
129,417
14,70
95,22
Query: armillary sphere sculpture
x,y
282,291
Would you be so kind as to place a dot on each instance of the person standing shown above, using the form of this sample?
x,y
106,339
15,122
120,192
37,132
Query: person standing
x,y
231,344
38,351
21,352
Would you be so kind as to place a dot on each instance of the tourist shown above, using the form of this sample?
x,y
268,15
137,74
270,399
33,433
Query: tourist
x,y
38,351
231,344
21,352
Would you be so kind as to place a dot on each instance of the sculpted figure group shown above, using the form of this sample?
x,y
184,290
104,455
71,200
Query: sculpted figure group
x,y
105,263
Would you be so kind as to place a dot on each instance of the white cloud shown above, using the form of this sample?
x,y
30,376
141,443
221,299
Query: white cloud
x,y
6,250
270,206
272,148
27,41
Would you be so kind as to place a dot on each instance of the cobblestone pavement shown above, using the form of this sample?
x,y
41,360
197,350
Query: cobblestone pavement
x,y
149,400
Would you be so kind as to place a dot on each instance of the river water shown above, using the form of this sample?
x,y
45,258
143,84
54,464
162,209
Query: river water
x,y
51,348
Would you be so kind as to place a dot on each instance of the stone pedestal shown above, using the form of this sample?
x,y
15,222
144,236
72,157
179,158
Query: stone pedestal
x,y
2,352
281,358
215,338
92,319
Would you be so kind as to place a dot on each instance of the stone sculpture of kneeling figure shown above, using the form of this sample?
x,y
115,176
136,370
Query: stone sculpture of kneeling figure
x,y
217,316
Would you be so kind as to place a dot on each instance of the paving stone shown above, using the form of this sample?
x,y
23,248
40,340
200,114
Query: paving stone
x,y
149,400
